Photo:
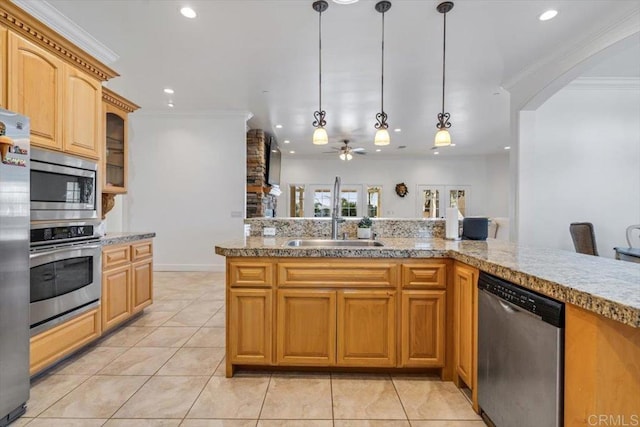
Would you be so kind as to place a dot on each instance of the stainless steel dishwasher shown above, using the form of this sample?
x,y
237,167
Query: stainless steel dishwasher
x,y
520,355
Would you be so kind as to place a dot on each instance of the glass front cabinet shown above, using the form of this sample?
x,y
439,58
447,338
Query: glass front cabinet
x,y
116,110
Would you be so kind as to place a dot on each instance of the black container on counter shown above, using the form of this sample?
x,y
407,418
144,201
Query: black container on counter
x,y
475,228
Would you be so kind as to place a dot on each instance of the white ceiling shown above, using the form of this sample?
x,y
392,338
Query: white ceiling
x,y
261,56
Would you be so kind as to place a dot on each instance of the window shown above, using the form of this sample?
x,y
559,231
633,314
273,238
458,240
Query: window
x,y
457,200
322,202
349,202
296,198
433,200
374,209
431,203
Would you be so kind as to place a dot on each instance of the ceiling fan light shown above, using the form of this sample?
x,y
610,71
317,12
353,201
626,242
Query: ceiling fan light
x,y
320,136
382,137
343,156
443,138
349,156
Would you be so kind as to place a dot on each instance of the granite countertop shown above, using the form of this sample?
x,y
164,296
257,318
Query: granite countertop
x,y
119,238
608,287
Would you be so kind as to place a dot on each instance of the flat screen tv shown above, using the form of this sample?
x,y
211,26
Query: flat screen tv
x,y
274,157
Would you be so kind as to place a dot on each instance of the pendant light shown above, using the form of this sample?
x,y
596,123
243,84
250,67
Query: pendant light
x,y
382,134
443,138
320,136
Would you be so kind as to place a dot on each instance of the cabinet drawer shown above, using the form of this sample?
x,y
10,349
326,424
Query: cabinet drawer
x,y
426,276
353,274
115,256
141,250
250,273
50,346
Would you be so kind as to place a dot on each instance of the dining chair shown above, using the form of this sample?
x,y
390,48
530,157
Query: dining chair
x,y
584,238
630,230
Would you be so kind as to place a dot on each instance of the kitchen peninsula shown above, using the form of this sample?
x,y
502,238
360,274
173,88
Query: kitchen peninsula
x,y
412,304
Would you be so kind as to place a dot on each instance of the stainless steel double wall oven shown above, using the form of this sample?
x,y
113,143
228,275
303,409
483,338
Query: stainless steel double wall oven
x,y
65,256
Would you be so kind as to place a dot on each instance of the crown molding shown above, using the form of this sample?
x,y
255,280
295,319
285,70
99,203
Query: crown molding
x,y
605,83
54,19
30,28
118,100
627,25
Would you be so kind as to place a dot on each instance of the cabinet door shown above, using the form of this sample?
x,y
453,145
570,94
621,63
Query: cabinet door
x,y
142,289
423,328
116,296
116,150
3,67
249,326
82,114
306,327
464,323
35,89
366,328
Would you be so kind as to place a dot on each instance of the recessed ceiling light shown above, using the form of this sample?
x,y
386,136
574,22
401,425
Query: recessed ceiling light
x,y
187,12
378,149
278,126
435,153
345,1
286,141
168,90
507,148
170,104
549,14
397,130
292,152
452,145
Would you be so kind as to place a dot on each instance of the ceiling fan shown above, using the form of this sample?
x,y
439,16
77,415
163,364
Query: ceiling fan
x,y
345,152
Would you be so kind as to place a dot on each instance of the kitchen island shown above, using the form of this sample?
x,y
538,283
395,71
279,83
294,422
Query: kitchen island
x,y
415,287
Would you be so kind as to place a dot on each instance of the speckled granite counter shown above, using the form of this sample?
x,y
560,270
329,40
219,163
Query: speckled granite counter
x,y
119,238
608,287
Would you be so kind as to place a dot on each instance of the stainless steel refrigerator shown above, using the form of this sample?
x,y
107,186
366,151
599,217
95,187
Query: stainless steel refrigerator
x,y
14,265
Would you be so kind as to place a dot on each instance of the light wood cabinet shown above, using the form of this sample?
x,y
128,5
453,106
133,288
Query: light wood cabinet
x,y
366,328
35,89
465,326
116,110
249,328
306,327
127,281
82,114
423,328
352,313
62,340
62,102
3,67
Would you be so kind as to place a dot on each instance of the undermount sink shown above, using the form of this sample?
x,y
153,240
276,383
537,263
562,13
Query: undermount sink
x,y
327,243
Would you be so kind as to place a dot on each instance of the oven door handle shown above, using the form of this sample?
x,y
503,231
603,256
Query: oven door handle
x,y
63,249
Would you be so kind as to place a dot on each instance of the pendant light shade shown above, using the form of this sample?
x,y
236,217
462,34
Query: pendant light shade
x,y
320,136
443,138
382,135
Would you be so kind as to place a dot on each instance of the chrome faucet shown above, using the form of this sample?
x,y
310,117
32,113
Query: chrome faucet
x,y
335,213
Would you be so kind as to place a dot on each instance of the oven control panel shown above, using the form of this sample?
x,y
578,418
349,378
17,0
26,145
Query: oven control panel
x,y
61,233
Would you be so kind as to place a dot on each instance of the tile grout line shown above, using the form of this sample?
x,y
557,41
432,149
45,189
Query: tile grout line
x,y
400,399
264,399
333,415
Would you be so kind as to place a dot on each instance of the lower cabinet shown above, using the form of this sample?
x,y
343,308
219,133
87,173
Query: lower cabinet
x,y
249,328
423,328
299,312
127,281
62,340
465,326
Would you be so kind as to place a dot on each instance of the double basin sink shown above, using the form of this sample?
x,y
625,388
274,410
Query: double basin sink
x,y
329,243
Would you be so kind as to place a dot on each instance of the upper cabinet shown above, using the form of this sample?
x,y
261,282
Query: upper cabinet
x,y
53,82
82,114
35,89
115,164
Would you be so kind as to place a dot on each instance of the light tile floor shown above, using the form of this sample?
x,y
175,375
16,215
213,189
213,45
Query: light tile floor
x,y
166,369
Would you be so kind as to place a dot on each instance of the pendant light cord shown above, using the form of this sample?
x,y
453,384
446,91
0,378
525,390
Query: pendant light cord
x,y
444,53
382,73
320,60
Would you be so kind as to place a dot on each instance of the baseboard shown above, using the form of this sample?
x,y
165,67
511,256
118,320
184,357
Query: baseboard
x,y
189,267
